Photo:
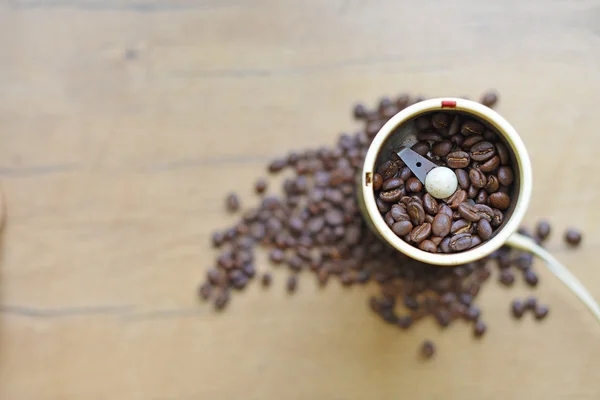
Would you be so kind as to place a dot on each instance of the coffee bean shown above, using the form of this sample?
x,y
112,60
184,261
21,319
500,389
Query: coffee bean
x,y
472,128
388,169
531,278
416,213
430,204
441,225
461,226
445,209
460,242
405,174
443,317
398,212
463,178
232,202
456,199
430,136
506,277
489,99
423,123
441,149
482,151
454,126
382,206
471,141
573,237
420,233
502,153
490,165
465,299
457,140
492,184
276,256
222,299
411,303
277,165
392,196
440,121
543,230
541,312
479,329
377,181
484,229
476,241
427,349
505,175
472,192
524,261
205,290
436,239
499,200
421,148
473,313
445,245
469,212
458,159
414,185
497,219
477,178
517,308
402,228
482,197
428,245
392,183
360,111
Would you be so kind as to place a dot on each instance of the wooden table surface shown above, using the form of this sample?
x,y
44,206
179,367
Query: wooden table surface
x,y
124,123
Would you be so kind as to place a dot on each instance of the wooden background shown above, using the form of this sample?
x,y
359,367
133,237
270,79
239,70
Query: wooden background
x,y
124,123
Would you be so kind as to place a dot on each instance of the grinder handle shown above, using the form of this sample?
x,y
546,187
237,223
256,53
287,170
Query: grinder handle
x,y
560,271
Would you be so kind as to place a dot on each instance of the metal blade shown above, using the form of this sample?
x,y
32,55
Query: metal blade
x,y
418,164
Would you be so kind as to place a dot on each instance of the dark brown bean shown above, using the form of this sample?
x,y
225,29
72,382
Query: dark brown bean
x,y
463,178
382,206
392,196
482,197
458,197
441,225
222,299
489,99
440,121
441,149
458,159
479,329
388,169
498,218
445,245
477,178
392,183
507,278
490,165
573,237
266,279
427,349
421,148
429,218
531,278
492,184
359,111
423,123
399,213
405,174
420,233
543,230
499,200
389,219
502,153
460,242
430,204
505,175
457,140
430,136
205,290
471,141
541,312
530,303
482,151
377,181
473,313
416,213
232,202
292,283
484,229
402,228
414,185
436,239
445,209
428,246
476,240
472,192
277,165
260,186
405,321
469,212
517,308
490,136
472,128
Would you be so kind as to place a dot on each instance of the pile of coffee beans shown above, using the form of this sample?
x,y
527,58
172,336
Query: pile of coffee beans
x,y
315,226
472,214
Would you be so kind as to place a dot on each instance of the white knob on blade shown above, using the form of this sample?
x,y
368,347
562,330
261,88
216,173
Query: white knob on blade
x,y
441,182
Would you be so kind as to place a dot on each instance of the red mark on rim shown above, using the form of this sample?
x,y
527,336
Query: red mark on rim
x,y
448,104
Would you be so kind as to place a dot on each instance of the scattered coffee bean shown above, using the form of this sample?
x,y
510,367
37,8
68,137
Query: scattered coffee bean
x,y
292,283
427,349
266,279
507,278
232,202
531,278
489,99
458,159
414,185
377,181
573,237
541,311
518,308
479,329
499,200
472,128
543,229
530,303
222,299
205,290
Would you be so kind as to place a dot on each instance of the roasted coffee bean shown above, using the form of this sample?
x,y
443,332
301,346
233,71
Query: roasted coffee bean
x,y
477,178
414,185
222,299
429,218
457,140
277,165
531,278
392,183
428,245
482,197
502,153
445,245
461,226
482,151
541,312
405,173
489,99
471,141
460,241
476,241
416,213
463,178
420,233
421,148
473,313
218,238
427,349
485,211
382,206
232,202
266,279
404,321
458,197
260,186
469,212
399,213
292,283
458,159
436,239
517,308
445,209
430,204
316,224
479,329
499,200
505,175
523,261
484,229
472,192
205,290
411,303
440,121
388,170
423,123
472,128
507,278
276,256
530,303
504,189
392,196
490,165
542,230
360,111
441,149
490,136
466,299
443,317
441,225
497,219
492,184
377,181
454,126
430,136
402,228
573,237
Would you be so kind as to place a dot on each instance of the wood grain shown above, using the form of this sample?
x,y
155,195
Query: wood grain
x,y
123,125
